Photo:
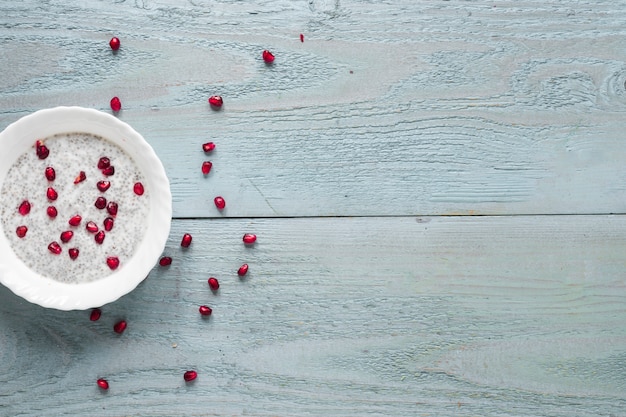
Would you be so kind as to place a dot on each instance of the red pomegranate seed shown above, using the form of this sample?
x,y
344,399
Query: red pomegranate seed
x,y
216,101
99,237
73,253
21,231
42,150
52,211
108,171
249,238
95,314
108,224
55,248
113,262
24,208
243,270
214,284
104,162
103,185
100,203
206,167
112,208
268,57
52,194
208,147
75,220
116,104
114,43
67,236
91,227
165,261
103,384
301,37
80,177
205,310
190,376
220,203
138,188
120,326
50,174
186,241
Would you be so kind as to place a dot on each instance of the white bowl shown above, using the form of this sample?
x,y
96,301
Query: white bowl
x,y
19,138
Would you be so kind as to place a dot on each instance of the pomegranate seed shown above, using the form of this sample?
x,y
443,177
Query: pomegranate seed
x,y
116,104
67,236
113,262
50,174
205,310
214,284
249,238
73,253
243,270
55,248
91,227
24,208
21,231
95,314
216,101
206,167
100,203
112,208
120,326
99,237
220,203
80,177
108,224
138,188
301,37
208,147
186,241
103,185
103,384
108,171
165,261
75,220
114,43
104,162
42,150
52,211
52,194
268,57
190,376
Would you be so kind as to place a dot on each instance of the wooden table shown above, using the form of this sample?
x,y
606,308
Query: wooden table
x,y
438,188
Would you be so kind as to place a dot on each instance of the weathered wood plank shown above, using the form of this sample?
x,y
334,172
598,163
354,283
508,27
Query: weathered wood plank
x,y
489,316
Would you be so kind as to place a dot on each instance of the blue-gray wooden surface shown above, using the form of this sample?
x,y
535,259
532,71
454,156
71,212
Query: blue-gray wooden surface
x,y
438,188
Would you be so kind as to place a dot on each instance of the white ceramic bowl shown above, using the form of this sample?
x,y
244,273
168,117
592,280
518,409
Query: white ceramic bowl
x,y
19,138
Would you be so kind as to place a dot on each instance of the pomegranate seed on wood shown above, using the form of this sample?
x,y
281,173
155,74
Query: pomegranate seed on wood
x,y
66,236
120,326
205,310
50,174
95,314
214,284
216,101
52,211
206,167
103,185
208,147
104,162
190,376
268,57
55,248
301,37
21,231
165,261
99,237
108,224
186,240
24,208
75,220
115,43
116,104
100,203
73,253
113,262
220,203
249,238
243,270
112,208
103,384
91,227
138,188
80,177
52,194
108,171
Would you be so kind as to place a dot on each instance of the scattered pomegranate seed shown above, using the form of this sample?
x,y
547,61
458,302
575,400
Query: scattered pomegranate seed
x,y
52,194
186,241
206,167
73,253
103,384
205,310
100,203
108,224
216,101
67,236
214,284
208,147
190,376
165,261
116,104
113,262
52,211
104,162
220,203
301,37
103,185
91,227
21,231
55,248
268,57
108,171
42,150
80,177
24,208
243,270
114,43
120,326
138,188
112,208
99,237
50,174
95,314
249,238
75,220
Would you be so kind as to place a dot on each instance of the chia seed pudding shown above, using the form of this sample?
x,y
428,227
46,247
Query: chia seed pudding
x,y
70,154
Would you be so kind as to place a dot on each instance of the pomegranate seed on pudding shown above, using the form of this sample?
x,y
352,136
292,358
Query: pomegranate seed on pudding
x,y
249,238
55,248
165,261
102,384
206,167
220,203
24,208
52,212
50,174
205,310
99,237
91,227
42,150
216,102
120,326
190,376
108,171
104,162
103,185
100,203
186,241
268,57
21,231
95,314
108,224
66,236
80,177
116,104
113,262
112,208
208,147
243,270
138,188
73,252
115,43
75,220
214,284
52,194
